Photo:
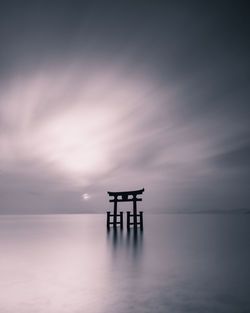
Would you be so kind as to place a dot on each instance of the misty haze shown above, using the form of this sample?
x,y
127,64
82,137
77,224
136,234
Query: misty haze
x,y
100,96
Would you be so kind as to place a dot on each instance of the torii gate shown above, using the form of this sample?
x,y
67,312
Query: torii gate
x,y
125,196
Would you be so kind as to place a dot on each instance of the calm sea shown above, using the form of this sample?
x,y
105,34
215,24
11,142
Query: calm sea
x,y
71,264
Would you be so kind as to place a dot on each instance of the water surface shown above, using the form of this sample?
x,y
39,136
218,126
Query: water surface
x,y
72,264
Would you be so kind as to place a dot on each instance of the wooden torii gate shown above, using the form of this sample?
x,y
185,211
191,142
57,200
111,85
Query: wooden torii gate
x,y
125,196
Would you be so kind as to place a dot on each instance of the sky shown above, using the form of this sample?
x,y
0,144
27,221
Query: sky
x,y
100,96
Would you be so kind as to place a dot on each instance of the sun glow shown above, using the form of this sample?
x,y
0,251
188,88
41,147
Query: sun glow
x,y
76,143
77,125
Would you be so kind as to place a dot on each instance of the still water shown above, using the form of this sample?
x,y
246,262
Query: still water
x,y
71,264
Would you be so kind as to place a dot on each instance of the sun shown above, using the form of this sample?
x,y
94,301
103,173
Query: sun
x,y
85,196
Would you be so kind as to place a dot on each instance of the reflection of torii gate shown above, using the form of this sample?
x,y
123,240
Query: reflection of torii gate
x,y
125,196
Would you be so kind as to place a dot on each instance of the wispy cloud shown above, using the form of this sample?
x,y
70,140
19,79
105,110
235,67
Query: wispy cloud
x,y
164,107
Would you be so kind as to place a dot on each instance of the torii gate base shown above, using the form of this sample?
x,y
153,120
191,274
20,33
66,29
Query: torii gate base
x,y
129,222
132,219
115,221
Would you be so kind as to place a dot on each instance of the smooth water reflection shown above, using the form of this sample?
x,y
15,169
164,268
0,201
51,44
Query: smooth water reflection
x,y
129,242
73,264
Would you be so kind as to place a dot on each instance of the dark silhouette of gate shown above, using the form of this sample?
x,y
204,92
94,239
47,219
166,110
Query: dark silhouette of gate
x,y
132,219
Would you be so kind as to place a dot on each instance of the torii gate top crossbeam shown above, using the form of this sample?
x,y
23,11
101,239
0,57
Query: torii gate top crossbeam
x,y
124,195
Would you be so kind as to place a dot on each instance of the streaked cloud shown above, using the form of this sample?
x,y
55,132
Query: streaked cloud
x,y
120,109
